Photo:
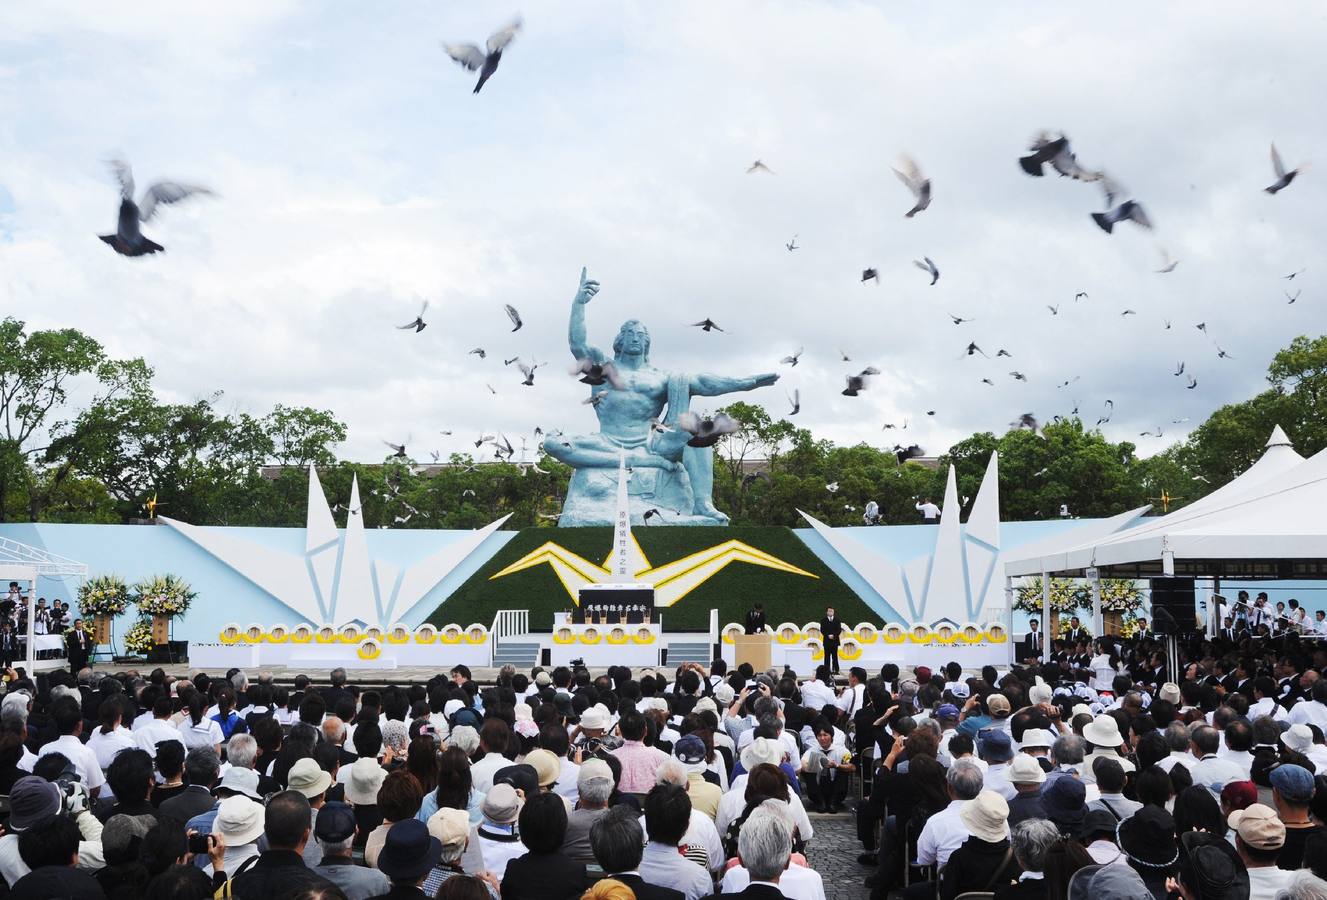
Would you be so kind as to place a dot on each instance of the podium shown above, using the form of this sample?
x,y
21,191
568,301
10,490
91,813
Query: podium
x,y
753,649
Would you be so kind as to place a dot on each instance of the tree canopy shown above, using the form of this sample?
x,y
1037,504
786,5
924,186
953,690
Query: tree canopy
x,y
102,456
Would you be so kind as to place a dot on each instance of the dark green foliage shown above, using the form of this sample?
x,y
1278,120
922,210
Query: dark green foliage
x,y
786,596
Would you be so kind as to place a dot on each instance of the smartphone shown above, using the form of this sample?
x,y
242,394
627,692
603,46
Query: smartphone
x,y
198,844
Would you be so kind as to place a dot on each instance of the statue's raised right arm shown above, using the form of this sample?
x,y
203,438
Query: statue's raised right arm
x,y
580,347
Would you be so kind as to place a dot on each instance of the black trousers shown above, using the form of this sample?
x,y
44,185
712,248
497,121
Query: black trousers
x,y
832,655
827,789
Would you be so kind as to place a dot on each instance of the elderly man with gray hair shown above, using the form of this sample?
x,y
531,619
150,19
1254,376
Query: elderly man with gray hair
x,y
764,846
1031,842
618,842
945,832
795,882
594,786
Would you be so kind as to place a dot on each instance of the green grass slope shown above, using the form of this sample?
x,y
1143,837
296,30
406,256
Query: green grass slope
x,y
733,590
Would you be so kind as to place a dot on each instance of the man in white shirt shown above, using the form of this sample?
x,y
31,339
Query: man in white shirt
x,y
854,697
930,512
1211,771
1238,746
1259,837
945,832
493,738
996,748
817,693
1177,739
158,729
1320,622
69,720
1264,697
1312,711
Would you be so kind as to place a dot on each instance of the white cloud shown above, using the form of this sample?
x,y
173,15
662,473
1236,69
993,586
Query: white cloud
x,y
357,173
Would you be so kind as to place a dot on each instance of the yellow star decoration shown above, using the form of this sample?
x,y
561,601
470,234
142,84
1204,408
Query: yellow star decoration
x,y
671,582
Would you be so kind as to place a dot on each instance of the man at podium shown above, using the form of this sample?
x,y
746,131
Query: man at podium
x,y
755,619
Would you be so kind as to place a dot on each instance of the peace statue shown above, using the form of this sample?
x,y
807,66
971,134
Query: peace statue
x,y
666,475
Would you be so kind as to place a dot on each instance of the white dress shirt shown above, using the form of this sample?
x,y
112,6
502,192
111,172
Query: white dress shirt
x,y
1309,712
852,699
482,772
1241,758
796,882
1266,881
943,833
84,760
1214,773
105,746
997,779
1178,757
1267,707
155,732
817,695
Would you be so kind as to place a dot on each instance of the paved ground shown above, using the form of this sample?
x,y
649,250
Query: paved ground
x,y
833,853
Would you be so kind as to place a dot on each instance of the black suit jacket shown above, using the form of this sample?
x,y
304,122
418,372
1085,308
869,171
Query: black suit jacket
x,y
543,876
830,632
1079,634
190,802
1031,645
753,892
646,891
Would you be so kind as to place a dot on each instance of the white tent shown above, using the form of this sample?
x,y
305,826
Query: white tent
x,y
24,563
1267,523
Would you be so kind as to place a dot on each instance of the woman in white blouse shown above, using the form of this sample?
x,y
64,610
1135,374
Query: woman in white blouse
x,y
196,729
111,736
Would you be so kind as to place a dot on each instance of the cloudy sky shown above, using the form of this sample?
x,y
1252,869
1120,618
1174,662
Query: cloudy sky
x,y
357,175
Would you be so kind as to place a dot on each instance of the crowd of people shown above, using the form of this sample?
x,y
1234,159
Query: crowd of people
x,y
1048,780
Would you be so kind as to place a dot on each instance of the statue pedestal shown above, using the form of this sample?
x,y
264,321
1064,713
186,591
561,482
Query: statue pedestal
x,y
592,498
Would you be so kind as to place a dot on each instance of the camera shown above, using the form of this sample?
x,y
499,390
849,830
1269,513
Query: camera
x,y
198,844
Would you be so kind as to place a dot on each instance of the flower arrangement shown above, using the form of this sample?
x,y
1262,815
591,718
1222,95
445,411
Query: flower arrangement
x,y
105,595
163,595
1064,596
1119,595
138,639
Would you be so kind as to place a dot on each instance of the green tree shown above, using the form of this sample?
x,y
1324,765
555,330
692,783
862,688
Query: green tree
x,y
37,372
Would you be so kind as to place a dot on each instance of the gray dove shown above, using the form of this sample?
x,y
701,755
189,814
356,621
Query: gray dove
x,y
919,184
1283,178
707,432
473,59
128,240
927,265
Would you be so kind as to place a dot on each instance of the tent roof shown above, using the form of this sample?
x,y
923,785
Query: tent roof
x,y
45,562
1265,523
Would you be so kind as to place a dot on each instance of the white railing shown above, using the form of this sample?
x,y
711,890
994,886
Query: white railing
x,y
506,622
510,621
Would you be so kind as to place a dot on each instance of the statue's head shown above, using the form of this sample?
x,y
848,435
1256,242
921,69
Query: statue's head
x,y
633,339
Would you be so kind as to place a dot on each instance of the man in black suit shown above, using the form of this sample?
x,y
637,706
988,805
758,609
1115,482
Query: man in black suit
x,y
78,647
755,619
1076,631
831,630
1032,643
10,648
618,843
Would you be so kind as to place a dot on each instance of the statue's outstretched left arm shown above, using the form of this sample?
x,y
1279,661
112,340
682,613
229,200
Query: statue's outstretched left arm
x,y
713,385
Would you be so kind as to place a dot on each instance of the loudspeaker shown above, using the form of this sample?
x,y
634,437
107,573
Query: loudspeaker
x,y
1173,607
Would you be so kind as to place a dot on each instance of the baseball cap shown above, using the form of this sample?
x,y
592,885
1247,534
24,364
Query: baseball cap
x,y
998,704
947,711
1295,783
594,770
335,823
450,826
690,750
522,776
1258,827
